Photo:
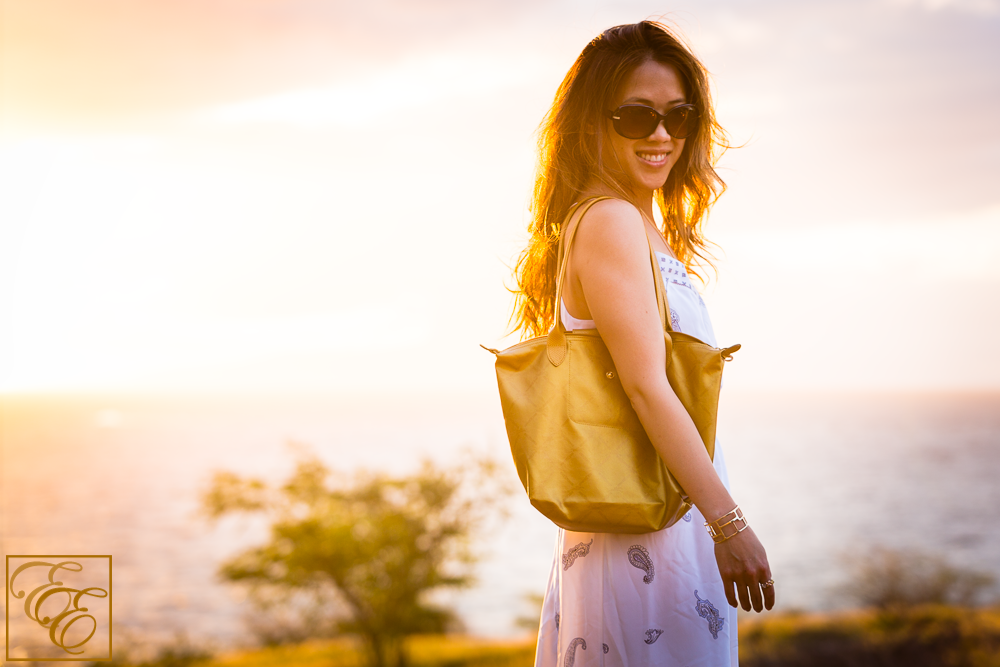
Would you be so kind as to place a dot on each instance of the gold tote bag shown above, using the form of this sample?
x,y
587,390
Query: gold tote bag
x,y
579,448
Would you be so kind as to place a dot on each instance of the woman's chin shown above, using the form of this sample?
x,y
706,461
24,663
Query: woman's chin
x,y
651,183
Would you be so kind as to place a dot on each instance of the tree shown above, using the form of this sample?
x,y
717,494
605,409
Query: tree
x,y
382,543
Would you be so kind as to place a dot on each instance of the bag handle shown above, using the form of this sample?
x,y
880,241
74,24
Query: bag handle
x,y
556,341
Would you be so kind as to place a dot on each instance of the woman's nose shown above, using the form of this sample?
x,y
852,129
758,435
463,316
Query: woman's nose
x,y
660,133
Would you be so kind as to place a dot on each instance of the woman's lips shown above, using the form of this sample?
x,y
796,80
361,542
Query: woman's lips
x,y
655,159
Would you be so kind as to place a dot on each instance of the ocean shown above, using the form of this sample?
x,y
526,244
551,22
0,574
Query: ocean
x,y
823,478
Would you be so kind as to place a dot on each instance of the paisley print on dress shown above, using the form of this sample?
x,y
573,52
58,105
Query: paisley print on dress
x,y
604,647
652,635
571,651
687,517
579,551
639,557
557,620
675,321
708,611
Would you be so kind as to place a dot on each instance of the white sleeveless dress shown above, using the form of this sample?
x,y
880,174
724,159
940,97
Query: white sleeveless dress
x,y
635,600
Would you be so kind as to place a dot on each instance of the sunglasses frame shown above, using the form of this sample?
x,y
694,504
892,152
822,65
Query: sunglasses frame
x,y
660,118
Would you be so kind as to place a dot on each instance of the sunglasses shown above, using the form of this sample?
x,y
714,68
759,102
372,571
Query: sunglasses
x,y
637,121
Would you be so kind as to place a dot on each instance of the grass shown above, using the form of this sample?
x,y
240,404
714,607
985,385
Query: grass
x,y
922,636
423,651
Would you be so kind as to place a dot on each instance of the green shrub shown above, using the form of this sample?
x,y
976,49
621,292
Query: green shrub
x,y
889,578
921,636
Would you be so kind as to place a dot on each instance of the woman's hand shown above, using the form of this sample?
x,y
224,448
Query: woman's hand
x,y
743,563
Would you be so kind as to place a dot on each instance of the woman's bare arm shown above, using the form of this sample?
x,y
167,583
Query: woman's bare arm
x,y
610,273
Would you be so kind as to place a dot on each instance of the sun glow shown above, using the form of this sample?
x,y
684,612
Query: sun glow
x,y
283,210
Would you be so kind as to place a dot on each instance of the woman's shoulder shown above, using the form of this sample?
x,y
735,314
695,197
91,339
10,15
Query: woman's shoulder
x,y
608,208
611,223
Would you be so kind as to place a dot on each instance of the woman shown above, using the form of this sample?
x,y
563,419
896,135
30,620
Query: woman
x,y
633,122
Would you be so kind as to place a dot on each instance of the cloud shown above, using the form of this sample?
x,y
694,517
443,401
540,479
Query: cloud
x,y
912,252
975,7
728,29
67,61
384,94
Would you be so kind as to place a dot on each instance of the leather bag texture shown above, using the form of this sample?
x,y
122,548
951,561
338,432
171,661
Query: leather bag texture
x,y
580,450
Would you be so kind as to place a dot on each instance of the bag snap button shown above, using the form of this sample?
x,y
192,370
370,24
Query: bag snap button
x,y
610,375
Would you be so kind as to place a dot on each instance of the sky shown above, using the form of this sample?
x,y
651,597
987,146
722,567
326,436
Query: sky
x,y
296,196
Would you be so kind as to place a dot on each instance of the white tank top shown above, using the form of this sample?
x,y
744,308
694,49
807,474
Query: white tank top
x,y
688,313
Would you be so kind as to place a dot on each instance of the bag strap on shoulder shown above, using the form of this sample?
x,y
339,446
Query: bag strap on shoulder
x,y
556,341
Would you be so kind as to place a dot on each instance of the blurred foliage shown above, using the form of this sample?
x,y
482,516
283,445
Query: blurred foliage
x,y
920,636
277,615
422,651
891,578
531,622
377,544
130,652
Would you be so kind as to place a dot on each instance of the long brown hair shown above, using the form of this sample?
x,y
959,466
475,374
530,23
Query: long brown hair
x,y
570,143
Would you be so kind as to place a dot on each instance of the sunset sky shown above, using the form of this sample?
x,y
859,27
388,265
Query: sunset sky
x,y
325,197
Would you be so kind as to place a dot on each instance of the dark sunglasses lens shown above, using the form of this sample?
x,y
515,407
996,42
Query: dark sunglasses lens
x,y
682,122
636,122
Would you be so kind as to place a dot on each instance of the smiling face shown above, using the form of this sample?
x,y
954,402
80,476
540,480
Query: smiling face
x,y
646,162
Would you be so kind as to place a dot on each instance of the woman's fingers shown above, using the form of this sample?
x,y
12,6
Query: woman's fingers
x,y
744,596
730,592
755,598
768,594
